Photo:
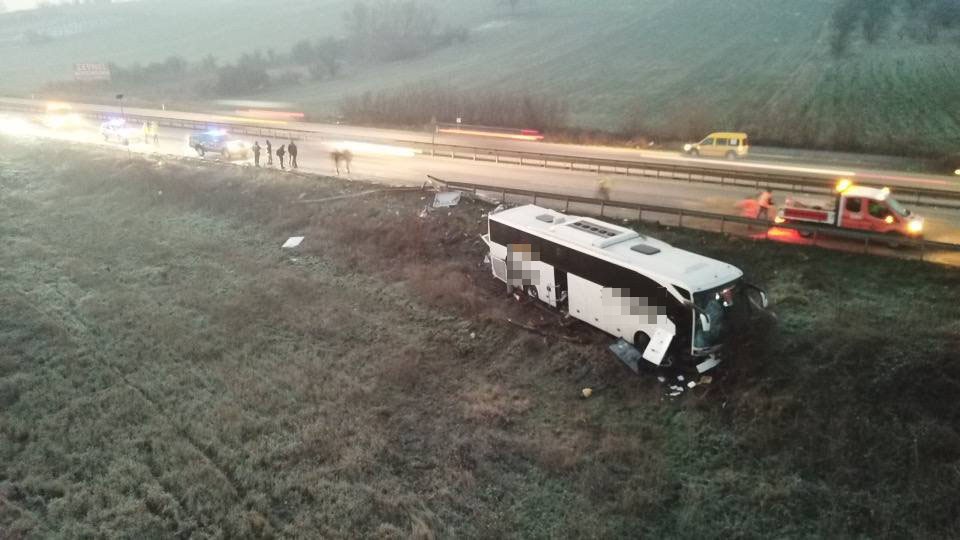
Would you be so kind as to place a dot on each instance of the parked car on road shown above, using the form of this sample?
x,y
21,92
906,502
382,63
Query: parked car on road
x,y
722,144
118,130
218,141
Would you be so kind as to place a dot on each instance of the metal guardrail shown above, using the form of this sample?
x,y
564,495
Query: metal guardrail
x,y
870,240
666,171
689,173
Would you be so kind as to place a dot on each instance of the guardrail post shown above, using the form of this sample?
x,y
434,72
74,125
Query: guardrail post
x,y
496,157
521,159
544,163
602,205
474,154
680,224
570,167
639,215
566,205
534,197
503,196
723,223
598,172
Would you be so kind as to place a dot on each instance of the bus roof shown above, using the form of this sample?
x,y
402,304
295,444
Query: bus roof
x,y
623,246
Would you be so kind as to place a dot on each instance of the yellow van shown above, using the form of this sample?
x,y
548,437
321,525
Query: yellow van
x,y
722,144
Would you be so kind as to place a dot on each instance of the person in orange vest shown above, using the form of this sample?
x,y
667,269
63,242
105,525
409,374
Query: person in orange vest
x,y
764,205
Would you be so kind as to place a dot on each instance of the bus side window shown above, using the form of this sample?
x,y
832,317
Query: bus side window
x,y
723,142
854,205
734,142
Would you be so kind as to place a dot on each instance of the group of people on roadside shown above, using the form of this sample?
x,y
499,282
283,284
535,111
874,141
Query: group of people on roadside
x,y
282,152
151,130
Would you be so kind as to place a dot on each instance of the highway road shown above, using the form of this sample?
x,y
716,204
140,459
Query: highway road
x,y
392,136
395,164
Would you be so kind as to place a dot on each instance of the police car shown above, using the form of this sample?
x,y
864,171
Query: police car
x,y
218,141
117,129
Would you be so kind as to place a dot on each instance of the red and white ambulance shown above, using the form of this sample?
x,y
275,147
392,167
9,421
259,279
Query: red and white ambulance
x,y
858,208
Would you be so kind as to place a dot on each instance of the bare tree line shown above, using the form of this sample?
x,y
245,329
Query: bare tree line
x,y
918,20
420,104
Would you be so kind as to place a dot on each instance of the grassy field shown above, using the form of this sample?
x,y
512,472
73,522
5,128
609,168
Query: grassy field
x,y
670,69
165,370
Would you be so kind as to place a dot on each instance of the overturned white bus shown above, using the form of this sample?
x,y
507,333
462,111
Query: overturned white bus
x,y
674,306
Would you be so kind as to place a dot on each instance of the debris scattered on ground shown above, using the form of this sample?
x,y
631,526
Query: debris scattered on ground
x,y
627,353
691,384
292,242
446,199
706,379
586,392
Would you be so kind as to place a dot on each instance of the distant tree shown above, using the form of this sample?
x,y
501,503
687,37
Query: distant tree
x,y
329,55
303,52
920,20
390,30
208,62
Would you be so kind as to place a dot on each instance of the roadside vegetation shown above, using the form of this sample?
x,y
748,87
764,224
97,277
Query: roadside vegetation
x,y
166,370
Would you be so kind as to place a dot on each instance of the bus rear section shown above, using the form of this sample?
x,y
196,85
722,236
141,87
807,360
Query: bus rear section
x,y
672,305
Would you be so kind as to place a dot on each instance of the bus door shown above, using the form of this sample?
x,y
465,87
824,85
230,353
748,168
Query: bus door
x,y
560,286
527,272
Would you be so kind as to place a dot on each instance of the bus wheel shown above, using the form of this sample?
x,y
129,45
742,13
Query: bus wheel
x,y
640,341
532,292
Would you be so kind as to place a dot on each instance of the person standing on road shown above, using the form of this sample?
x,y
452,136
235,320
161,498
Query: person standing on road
x,y
347,159
292,150
336,156
764,205
155,131
146,133
280,154
603,188
256,153
269,154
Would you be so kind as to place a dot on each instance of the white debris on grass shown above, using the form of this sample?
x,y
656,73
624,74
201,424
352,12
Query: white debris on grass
x,y
447,199
292,242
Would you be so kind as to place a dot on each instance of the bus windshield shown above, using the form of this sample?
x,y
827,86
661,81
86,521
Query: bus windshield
x,y
718,304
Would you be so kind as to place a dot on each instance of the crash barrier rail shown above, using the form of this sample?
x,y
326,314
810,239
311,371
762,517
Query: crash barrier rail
x,y
665,171
871,241
689,173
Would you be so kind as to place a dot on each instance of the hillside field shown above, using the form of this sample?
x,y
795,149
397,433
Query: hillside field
x,y
674,69
167,371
